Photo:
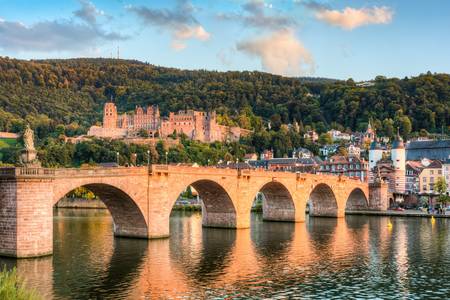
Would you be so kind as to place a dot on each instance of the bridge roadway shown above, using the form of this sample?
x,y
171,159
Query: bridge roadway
x,y
140,199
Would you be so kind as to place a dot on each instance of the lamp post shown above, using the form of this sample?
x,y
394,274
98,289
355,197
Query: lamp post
x,y
148,158
118,156
167,153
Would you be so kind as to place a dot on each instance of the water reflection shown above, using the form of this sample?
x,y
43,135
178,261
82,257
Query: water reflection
x,y
355,257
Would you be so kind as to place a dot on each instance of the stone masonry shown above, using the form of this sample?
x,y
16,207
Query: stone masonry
x,y
140,199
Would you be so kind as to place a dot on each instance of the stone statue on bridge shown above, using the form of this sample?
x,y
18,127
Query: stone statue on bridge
x,y
28,157
28,138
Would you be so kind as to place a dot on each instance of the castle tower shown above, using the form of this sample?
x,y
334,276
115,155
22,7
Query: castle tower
x,y
109,115
398,157
375,155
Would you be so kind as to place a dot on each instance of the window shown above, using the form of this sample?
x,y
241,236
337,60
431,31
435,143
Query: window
x,y
424,179
431,172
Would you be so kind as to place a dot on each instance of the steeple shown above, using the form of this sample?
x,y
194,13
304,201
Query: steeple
x,y
398,142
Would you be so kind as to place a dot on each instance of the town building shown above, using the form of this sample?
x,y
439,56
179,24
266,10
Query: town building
x,y
196,125
250,156
302,153
439,149
328,150
431,172
413,170
446,173
266,155
311,135
354,151
352,167
9,135
337,135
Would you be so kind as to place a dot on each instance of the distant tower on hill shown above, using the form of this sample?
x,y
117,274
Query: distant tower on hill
x,y
110,115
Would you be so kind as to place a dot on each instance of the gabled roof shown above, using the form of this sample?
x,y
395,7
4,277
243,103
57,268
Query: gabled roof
x,y
435,164
416,165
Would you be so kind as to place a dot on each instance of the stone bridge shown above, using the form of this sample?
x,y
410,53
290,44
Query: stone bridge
x,y
140,199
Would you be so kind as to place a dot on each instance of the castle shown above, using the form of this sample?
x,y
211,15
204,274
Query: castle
x,y
196,125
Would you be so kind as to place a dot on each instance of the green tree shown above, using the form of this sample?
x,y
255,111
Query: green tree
x,y
143,133
441,188
325,139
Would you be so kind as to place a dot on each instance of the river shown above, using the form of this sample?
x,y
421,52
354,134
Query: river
x,y
351,257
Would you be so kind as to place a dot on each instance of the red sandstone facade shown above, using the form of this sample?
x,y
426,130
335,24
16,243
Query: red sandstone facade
x,y
196,125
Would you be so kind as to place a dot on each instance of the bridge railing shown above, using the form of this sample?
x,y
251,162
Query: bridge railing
x,y
23,171
9,172
101,171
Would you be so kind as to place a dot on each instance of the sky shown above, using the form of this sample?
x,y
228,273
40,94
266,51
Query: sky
x,y
340,39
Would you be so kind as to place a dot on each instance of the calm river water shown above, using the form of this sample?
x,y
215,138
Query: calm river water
x,y
355,257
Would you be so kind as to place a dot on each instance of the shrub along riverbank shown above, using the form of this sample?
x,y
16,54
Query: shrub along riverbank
x,y
13,288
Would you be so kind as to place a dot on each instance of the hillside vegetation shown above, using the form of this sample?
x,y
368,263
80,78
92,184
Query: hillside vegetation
x,y
71,92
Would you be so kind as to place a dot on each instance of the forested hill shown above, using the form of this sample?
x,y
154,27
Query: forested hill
x,y
74,90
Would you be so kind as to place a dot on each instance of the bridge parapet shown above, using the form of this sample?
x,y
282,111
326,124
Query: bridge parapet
x,y
155,169
12,172
101,172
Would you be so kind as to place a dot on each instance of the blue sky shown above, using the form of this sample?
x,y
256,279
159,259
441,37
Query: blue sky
x,y
324,38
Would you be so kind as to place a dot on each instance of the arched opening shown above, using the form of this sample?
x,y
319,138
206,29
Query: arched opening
x,y
212,199
356,201
128,220
276,202
322,202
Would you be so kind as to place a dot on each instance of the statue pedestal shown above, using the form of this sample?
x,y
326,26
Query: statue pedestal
x,y
29,159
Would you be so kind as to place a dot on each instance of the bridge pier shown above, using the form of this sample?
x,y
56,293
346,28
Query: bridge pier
x,y
26,214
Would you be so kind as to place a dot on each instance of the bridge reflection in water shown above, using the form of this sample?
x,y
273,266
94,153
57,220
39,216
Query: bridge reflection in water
x,y
323,257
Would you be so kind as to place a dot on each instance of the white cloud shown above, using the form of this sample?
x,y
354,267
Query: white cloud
x,y
52,36
58,35
179,21
187,32
350,18
254,14
88,12
177,45
280,53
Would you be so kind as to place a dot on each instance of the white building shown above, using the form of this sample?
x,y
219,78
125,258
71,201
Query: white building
x,y
354,151
337,135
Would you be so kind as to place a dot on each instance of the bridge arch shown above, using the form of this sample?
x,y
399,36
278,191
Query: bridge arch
x,y
127,216
278,203
218,209
322,201
356,200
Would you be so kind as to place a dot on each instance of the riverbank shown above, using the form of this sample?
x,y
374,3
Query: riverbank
x,y
187,207
395,213
80,203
